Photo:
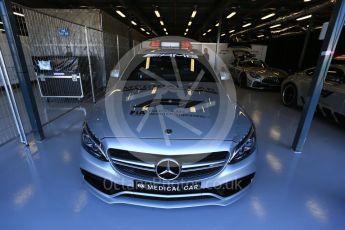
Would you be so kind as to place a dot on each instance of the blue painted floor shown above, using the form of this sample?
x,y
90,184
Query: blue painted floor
x,y
41,187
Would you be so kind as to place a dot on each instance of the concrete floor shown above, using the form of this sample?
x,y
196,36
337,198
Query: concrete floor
x,y
42,188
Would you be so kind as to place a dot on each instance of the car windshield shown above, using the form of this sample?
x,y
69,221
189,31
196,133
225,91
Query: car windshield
x,y
162,67
253,63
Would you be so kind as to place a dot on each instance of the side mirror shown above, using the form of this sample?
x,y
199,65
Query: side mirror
x,y
115,73
224,76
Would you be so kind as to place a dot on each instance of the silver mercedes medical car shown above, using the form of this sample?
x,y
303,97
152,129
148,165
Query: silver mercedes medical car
x,y
254,73
294,92
168,134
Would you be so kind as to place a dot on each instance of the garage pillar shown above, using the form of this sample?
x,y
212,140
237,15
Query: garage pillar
x,y
130,37
21,68
218,39
305,44
328,47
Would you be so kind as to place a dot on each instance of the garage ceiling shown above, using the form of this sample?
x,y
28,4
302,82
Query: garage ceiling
x,y
176,14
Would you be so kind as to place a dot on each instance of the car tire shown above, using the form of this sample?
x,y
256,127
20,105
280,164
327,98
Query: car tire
x,y
243,81
289,95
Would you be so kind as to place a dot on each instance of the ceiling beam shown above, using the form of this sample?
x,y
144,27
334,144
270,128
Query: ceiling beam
x,y
136,12
289,17
214,15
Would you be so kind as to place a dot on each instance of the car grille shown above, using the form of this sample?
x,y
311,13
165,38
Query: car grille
x,y
143,165
272,80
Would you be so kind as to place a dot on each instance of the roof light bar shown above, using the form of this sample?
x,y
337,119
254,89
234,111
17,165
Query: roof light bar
x,y
155,43
120,13
231,15
268,16
170,44
303,18
185,45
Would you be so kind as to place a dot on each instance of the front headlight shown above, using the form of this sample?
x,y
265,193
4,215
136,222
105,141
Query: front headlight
x,y
254,75
245,147
91,144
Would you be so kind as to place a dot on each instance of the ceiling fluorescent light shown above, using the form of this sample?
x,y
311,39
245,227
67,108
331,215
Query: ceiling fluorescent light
x,y
120,13
134,23
187,30
157,13
166,33
231,15
148,33
193,13
216,25
268,16
231,31
203,34
209,30
165,29
161,22
18,14
222,35
261,35
189,23
303,18
274,26
282,30
246,25
142,29
185,34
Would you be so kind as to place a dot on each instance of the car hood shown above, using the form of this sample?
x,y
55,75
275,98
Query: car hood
x,y
269,72
151,111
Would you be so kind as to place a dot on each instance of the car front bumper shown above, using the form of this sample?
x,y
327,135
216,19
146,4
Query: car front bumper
x,y
98,173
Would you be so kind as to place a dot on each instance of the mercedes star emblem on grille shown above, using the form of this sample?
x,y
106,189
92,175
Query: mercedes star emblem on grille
x,y
168,169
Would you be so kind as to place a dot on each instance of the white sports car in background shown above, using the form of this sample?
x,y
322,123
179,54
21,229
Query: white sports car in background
x,y
295,89
255,73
